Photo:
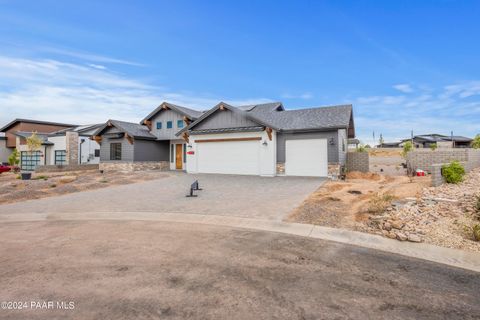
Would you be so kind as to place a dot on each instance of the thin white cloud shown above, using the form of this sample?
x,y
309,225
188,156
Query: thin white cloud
x,y
426,111
58,91
405,88
303,96
97,66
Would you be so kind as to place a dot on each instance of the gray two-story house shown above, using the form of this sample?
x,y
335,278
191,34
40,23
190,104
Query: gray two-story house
x,y
152,140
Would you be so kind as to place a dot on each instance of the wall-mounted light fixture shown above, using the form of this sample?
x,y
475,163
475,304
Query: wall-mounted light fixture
x,y
189,146
265,143
331,141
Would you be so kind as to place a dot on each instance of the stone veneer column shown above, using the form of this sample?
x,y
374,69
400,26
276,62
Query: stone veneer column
x,y
72,147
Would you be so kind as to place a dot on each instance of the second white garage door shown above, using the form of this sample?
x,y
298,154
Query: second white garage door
x,y
306,158
230,157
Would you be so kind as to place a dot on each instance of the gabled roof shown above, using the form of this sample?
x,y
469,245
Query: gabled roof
x,y
12,123
438,137
134,130
228,107
187,112
88,129
274,115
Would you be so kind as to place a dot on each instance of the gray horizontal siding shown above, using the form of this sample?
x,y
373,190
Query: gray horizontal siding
x,y
225,119
332,149
151,150
127,149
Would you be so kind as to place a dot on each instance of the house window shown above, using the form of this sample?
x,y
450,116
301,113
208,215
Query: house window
x,y
116,151
180,123
184,153
60,157
29,161
171,152
169,124
97,153
159,125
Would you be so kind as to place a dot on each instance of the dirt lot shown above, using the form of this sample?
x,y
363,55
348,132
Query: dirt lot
x,y
154,270
44,185
345,204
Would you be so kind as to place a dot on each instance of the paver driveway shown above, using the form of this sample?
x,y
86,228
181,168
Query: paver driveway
x,y
243,196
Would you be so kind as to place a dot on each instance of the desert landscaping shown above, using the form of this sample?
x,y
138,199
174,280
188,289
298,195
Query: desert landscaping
x,y
44,185
397,206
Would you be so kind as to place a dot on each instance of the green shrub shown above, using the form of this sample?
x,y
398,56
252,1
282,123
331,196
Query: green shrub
x,y
476,142
14,158
407,147
361,148
476,232
453,172
41,178
433,146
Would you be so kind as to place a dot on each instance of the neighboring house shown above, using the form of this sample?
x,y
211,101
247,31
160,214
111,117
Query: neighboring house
x,y
13,140
389,145
152,140
266,140
442,141
74,146
4,151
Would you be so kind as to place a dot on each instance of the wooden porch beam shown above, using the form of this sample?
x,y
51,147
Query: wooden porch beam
x,y
269,133
186,137
148,123
130,139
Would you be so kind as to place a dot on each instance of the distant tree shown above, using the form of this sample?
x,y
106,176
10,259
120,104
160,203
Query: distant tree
x,y
381,141
407,147
433,146
476,142
14,158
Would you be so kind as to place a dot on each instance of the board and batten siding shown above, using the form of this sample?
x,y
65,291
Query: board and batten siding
x,y
225,119
164,116
145,150
333,154
4,151
127,149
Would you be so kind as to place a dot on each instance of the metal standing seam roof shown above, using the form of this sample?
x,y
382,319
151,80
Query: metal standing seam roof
x,y
190,113
88,129
134,130
227,130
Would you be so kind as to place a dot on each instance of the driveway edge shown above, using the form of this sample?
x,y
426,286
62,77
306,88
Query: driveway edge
x,y
447,256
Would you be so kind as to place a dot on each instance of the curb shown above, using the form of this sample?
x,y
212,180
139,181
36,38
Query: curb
x,y
452,257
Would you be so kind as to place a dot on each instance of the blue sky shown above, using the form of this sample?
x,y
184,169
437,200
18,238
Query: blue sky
x,y
404,65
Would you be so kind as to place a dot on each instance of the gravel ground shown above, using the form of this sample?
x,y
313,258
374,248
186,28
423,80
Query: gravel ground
x,y
154,270
45,185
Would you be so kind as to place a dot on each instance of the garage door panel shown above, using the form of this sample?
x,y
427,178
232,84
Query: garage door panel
x,y
233,157
306,158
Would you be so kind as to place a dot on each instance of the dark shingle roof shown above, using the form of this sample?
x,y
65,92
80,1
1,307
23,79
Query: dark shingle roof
x,y
134,130
26,134
306,119
190,113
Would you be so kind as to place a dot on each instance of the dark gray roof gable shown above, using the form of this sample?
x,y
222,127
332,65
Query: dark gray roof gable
x,y
273,115
228,107
189,113
134,130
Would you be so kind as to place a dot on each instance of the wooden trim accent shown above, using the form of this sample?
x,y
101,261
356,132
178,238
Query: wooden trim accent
x,y
222,107
164,107
185,137
97,139
229,139
187,121
130,139
269,133
148,123
109,124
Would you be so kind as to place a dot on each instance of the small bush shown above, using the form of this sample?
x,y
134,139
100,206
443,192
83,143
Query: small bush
x,y
476,232
477,204
433,146
361,148
41,178
407,147
53,185
379,203
453,172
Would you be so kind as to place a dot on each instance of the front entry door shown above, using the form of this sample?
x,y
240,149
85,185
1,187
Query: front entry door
x,y
178,156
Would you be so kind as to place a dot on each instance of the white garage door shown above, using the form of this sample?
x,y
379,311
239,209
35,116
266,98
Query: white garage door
x,y
231,157
306,158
